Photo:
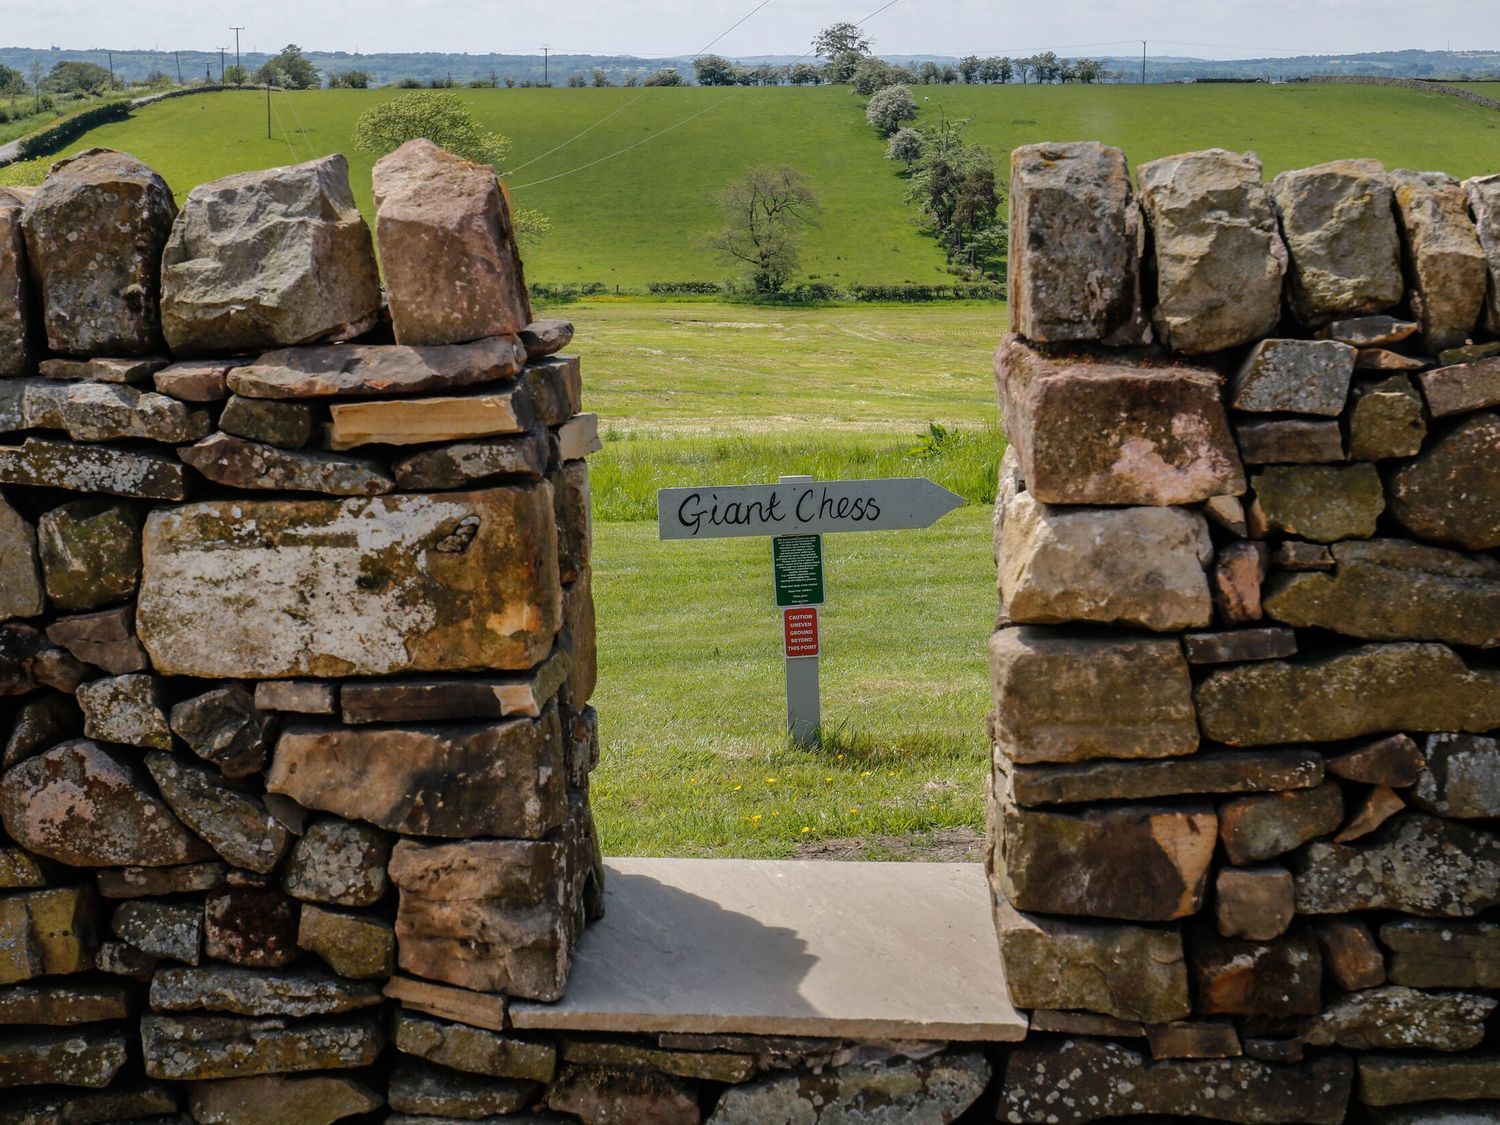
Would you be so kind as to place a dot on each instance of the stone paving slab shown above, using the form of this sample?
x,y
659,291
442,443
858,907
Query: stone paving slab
x,y
800,947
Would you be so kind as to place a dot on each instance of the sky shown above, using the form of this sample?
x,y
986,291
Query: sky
x,y
1203,28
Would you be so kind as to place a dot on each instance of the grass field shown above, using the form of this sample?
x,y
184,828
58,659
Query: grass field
x,y
642,216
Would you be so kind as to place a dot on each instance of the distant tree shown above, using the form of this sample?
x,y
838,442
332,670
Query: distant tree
x,y
889,108
954,183
1088,71
714,70
408,84
664,77
804,74
77,78
291,68
765,214
989,70
480,83
442,82
156,80
768,75
12,81
1005,69
349,80
1048,68
577,81
968,68
632,79
839,39
1025,67
906,145
872,74
599,78
510,81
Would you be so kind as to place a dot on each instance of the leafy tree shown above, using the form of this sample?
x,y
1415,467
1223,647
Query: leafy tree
x,y
349,80
955,185
664,77
872,74
1047,67
599,78
714,70
407,84
73,77
804,74
1024,67
839,39
889,108
1088,71
577,81
765,213
968,68
906,145
291,68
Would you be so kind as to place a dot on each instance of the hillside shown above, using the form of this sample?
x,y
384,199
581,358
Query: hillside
x,y
641,217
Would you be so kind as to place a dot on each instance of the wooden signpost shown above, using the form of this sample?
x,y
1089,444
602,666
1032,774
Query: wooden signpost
x,y
795,513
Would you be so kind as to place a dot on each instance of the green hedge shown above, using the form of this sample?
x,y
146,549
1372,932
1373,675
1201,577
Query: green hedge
x,y
59,133
808,293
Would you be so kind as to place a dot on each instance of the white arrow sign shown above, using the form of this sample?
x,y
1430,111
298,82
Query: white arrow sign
x,y
814,507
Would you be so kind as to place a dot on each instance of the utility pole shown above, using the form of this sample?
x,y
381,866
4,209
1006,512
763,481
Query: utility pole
x,y
1143,62
546,58
178,56
221,51
111,55
268,104
237,71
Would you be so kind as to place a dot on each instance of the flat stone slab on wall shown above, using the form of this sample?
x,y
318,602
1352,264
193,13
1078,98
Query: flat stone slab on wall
x,y
799,947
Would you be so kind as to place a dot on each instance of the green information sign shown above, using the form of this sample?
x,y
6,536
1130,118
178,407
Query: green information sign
x,y
797,561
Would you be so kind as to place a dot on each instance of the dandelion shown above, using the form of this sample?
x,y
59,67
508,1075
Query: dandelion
x,y
854,809
865,774
828,779
737,788
805,830
755,819
770,781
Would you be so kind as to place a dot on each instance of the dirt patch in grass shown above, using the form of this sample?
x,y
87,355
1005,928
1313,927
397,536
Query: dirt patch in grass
x,y
946,845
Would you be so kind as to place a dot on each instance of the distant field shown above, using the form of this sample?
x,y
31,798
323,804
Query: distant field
x,y
641,216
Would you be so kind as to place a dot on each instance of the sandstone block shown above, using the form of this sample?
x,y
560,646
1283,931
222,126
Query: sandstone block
x,y
86,806
476,1009
1379,806
1083,1080
1416,864
1257,978
89,1057
1392,589
438,216
110,412
199,381
1369,331
318,1099
1462,388
1239,572
297,697
1350,954
1462,777
1386,420
424,420
1091,431
224,728
1142,567
432,1091
1385,360
126,709
1128,972
1400,1079
579,640
1393,1018
1194,1039
339,862
228,816
251,926
1255,903
555,388
95,232
41,721
1451,493
1446,262
575,524
284,423
1366,690
42,463
409,701
21,590
1394,761
238,463
542,338
577,437
354,946
268,258
170,931
1295,376
1260,827
1139,863
376,370
90,553
63,1004
467,462
17,303
460,581
134,370
144,882
1340,229
1072,699
189,1048
1324,503
105,639
256,992
1219,254
477,1050
1078,238
1235,646
1233,772
512,771
1444,954
1290,441
1484,202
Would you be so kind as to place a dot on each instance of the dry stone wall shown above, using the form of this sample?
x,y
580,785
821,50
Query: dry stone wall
x,y
296,646
1245,806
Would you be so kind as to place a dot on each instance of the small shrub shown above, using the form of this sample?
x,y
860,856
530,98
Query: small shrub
x,y
889,108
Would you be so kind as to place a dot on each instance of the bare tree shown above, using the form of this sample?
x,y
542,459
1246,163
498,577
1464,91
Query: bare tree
x,y
765,214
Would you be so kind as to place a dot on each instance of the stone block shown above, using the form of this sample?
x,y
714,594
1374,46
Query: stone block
x,y
1369,331
1078,239
90,553
453,582
1402,1079
355,946
1324,503
105,639
1255,903
376,370
476,1050
1236,646
1444,954
1451,493
425,420
1484,203
555,388
1194,1039
1290,441
1140,567
1127,972
1386,420
1294,376
1379,805
255,466
1232,977
1445,261
224,727
95,232
21,590
110,412
512,771
1365,690
1061,698
126,709
273,1099
1462,777
1416,864
1350,955
1097,430
252,926
256,992
227,815
340,862
1259,827
1394,761
1239,572
269,258
63,1004
1340,229
1230,772
1462,388
1395,1018
87,1056
448,247
542,338
43,463
194,1048
1219,254
17,302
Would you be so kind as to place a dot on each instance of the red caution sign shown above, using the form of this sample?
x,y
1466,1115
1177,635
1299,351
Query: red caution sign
x,y
799,628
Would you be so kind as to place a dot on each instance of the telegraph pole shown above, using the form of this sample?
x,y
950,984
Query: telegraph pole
x,y
178,56
237,71
221,51
1143,62
546,58
111,55
268,103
